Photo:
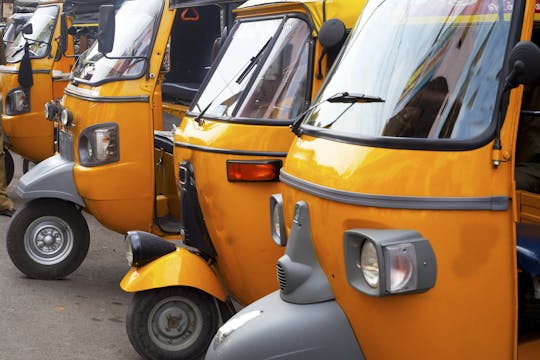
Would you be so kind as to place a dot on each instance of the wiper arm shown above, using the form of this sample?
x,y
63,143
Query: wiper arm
x,y
252,62
349,98
341,97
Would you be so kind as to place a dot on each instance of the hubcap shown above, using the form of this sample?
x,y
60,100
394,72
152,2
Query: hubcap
x,y
175,323
48,240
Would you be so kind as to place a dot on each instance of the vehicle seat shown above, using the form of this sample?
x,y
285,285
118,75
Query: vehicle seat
x,y
163,140
528,248
182,93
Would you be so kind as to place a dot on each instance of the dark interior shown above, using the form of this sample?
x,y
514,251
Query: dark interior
x,y
192,38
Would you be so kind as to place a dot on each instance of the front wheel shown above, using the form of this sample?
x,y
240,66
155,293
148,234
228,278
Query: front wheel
x,y
171,323
47,239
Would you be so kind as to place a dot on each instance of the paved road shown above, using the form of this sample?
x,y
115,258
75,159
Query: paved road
x,y
81,317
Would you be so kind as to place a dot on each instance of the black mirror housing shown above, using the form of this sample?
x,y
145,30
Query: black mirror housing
x,y
28,29
332,34
106,29
523,65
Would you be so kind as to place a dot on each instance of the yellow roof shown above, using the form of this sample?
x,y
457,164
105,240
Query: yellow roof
x,y
345,10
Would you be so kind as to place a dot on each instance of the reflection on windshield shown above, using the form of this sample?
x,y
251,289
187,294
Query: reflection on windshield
x,y
436,63
279,90
43,23
133,42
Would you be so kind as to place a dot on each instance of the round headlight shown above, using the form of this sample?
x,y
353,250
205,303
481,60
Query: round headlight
x,y
129,252
369,264
50,110
66,118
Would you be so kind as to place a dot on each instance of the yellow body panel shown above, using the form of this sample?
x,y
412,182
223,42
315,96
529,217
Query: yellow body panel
x,y
236,213
30,134
179,268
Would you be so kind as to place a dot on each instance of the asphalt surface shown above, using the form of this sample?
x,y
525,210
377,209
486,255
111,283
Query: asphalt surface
x,y
81,317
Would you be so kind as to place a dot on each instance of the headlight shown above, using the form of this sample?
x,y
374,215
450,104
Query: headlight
x,y
98,145
142,248
18,101
387,262
51,110
277,223
66,117
369,264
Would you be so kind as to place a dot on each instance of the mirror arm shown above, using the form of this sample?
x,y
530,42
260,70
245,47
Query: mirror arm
x,y
319,71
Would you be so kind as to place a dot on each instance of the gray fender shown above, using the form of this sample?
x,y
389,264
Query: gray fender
x,y
284,330
51,178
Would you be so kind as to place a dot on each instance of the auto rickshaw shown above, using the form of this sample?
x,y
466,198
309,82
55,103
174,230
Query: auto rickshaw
x,y
228,152
39,62
401,197
130,82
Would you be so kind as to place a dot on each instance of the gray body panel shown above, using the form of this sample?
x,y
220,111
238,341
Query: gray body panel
x,y
51,178
289,331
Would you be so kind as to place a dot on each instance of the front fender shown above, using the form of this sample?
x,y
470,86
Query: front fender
x,y
51,178
179,268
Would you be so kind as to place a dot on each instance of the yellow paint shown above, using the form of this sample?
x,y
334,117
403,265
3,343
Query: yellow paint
x,y
471,313
179,268
30,134
236,214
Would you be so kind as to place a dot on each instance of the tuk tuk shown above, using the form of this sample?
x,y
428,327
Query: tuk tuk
x,y
227,153
409,230
110,164
39,62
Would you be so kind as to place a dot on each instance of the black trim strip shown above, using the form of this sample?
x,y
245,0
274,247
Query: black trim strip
x,y
230,152
494,203
106,99
37,71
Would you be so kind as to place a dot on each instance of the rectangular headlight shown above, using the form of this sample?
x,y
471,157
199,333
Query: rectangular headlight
x,y
99,145
17,101
388,262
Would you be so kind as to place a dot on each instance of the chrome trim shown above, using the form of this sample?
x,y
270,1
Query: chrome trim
x,y
230,152
16,71
73,91
494,203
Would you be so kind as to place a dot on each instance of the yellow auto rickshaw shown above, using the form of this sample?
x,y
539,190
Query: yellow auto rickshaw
x,y
228,151
128,84
39,62
410,232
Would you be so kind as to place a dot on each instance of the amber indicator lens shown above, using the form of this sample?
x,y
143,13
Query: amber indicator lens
x,y
266,170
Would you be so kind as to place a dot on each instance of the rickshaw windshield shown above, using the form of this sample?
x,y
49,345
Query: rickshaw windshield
x,y
132,43
43,23
262,73
425,69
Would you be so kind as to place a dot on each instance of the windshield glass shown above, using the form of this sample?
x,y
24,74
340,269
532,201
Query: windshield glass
x,y
43,23
248,83
133,42
435,63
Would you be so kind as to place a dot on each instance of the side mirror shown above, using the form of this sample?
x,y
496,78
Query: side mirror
x,y
106,29
331,36
27,29
523,65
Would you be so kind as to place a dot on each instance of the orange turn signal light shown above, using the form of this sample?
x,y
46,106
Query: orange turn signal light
x,y
253,170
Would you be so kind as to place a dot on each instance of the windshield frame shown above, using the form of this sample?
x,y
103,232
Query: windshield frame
x,y
144,71
253,76
49,42
405,143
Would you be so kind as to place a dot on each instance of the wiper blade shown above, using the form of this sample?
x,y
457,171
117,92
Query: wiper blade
x,y
349,98
252,62
341,97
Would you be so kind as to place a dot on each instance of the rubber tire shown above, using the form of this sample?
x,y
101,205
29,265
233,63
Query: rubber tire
x,y
137,322
10,166
33,210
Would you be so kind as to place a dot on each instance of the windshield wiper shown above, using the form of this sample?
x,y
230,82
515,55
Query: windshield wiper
x,y
252,62
341,97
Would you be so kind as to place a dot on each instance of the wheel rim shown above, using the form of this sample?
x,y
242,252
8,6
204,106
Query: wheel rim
x,y
175,323
48,240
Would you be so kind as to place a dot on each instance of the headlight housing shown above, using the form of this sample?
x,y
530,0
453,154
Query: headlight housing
x,y
142,248
17,101
277,223
51,110
66,117
99,145
389,262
